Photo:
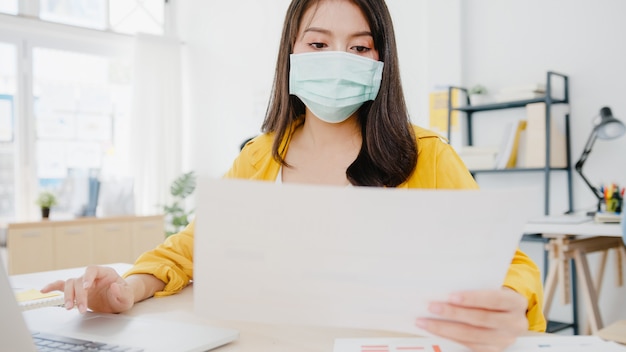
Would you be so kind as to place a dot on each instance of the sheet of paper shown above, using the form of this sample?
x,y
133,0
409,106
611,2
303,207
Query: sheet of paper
x,y
359,257
523,344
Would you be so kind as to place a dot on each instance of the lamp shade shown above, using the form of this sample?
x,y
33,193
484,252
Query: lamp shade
x,y
609,127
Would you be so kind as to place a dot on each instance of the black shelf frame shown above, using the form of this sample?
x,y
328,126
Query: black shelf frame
x,y
469,110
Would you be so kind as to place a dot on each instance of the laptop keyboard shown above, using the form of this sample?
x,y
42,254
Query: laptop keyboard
x,y
53,343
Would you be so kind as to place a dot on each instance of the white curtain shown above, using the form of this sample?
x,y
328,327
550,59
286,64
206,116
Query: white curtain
x,y
156,121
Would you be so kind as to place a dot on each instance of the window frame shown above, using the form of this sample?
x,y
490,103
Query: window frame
x,y
26,34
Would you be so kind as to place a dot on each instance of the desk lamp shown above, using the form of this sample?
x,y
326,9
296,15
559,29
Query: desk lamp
x,y
606,127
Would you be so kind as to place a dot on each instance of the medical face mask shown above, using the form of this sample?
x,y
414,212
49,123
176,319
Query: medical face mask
x,y
334,84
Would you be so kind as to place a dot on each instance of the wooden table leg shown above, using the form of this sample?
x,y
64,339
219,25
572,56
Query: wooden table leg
x,y
620,257
552,277
590,295
564,270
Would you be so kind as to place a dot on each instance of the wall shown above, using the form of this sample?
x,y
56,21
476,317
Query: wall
x,y
508,43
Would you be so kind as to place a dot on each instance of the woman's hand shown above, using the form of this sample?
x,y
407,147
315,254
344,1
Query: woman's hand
x,y
100,288
485,321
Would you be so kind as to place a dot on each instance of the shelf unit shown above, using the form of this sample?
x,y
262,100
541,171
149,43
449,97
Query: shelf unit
x,y
469,111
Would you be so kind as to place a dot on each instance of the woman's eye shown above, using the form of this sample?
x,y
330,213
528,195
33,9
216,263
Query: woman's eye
x,y
361,49
318,45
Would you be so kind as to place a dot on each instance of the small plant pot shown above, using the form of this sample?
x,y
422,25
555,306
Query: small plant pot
x,y
45,213
478,99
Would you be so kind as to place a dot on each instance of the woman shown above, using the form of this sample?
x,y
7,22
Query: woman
x,y
337,116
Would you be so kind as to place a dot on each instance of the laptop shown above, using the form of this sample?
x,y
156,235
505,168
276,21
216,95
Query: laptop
x,y
354,257
60,328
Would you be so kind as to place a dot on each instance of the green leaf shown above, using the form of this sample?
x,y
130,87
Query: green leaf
x,y
176,216
184,185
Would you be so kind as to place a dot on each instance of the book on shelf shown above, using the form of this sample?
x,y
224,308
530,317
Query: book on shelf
x,y
515,96
478,158
521,92
509,148
535,144
517,142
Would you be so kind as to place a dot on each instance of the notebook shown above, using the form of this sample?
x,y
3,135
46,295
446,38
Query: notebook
x,y
355,257
34,299
136,334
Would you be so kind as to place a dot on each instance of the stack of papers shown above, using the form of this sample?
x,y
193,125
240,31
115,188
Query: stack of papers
x,y
560,219
608,217
548,343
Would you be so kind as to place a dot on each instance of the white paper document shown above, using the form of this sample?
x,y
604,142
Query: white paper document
x,y
551,343
358,257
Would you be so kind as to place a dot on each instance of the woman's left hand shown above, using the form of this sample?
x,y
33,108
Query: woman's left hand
x,y
485,321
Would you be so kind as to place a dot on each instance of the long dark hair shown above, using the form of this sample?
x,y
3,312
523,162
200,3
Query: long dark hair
x,y
388,153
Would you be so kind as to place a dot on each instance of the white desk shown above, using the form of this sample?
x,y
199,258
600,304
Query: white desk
x,y
253,336
587,228
569,241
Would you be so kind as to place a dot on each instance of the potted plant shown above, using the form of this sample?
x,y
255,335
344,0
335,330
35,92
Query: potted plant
x,y
46,200
478,95
176,216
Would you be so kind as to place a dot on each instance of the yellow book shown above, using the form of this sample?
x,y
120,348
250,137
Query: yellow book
x,y
521,127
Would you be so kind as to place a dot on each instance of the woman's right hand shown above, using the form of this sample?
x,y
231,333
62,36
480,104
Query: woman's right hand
x,y
100,289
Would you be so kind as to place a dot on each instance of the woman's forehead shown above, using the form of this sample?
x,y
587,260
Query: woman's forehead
x,y
336,15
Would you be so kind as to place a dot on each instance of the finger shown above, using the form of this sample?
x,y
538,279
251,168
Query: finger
x,y
69,294
80,295
54,286
474,316
92,273
495,300
467,334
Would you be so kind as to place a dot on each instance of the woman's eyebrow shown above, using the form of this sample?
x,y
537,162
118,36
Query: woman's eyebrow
x,y
326,31
363,34
317,29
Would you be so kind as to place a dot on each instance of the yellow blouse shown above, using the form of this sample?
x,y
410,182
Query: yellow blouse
x,y
438,166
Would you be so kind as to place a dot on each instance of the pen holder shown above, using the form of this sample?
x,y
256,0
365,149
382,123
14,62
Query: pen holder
x,y
613,205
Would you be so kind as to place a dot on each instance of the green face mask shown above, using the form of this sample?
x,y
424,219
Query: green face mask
x,y
334,84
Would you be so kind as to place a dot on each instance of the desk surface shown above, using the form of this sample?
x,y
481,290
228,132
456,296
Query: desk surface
x,y
253,336
586,228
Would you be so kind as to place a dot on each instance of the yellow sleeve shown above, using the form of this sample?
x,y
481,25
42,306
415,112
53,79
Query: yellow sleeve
x,y
255,162
524,277
170,262
451,171
439,167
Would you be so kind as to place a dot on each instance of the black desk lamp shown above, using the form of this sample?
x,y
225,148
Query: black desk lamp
x,y
608,127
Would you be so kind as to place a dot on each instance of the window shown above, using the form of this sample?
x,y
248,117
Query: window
x,y
131,17
8,69
65,101
123,16
90,14
82,104
8,6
